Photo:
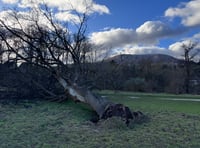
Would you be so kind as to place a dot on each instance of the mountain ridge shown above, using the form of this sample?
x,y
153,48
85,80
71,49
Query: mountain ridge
x,y
138,58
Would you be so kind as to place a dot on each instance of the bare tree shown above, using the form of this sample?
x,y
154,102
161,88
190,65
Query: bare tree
x,y
53,46
190,52
1,53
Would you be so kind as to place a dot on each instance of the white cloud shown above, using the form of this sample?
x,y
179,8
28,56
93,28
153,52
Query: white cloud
x,y
176,48
67,16
114,38
178,51
28,3
80,6
142,40
196,36
100,8
153,27
143,50
5,16
152,31
65,10
22,20
10,1
147,34
189,13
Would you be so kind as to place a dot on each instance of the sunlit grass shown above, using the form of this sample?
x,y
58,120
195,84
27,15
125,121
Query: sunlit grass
x,y
49,124
155,102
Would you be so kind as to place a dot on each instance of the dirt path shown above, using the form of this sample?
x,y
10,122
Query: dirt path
x,y
182,99
172,99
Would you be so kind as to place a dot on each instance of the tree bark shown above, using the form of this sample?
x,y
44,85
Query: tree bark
x,y
103,107
83,95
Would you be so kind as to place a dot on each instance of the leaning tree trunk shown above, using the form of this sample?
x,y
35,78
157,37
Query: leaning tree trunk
x,y
104,108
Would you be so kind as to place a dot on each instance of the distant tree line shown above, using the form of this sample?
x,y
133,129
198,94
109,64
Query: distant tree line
x,y
149,77
144,77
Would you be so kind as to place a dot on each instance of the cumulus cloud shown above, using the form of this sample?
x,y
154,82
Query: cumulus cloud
x,y
10,1
178,51
176,48
28,3
155,28
143,50
196,36
80,6
22,20
67,16
113,38
65,10
188,12
147,34
142,40
67,7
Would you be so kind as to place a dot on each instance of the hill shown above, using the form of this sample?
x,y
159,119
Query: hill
x,y
138,59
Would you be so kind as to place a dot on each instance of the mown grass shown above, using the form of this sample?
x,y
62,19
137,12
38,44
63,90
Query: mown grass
x,y
49,124
155,102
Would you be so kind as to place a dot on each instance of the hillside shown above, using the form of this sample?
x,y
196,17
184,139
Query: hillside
x,y
138,59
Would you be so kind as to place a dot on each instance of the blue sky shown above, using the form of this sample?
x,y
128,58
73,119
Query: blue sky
x,y
133,13
132,26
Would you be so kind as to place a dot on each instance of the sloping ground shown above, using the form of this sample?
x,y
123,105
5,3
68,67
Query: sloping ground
x,y
49,124
138,59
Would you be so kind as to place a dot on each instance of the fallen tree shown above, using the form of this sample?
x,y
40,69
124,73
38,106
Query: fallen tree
x,y
104,108
52,46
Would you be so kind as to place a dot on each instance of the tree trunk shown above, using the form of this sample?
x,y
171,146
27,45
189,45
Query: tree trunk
x,y
187,79
104,108
85,96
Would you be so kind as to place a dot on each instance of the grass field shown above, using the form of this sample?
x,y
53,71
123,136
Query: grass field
x,y
172,123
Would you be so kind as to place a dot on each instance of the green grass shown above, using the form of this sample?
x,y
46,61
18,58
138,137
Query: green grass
x,y
155,102
49,124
